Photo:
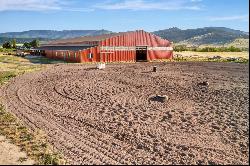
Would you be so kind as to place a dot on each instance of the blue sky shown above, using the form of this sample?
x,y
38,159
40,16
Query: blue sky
x,y
122,15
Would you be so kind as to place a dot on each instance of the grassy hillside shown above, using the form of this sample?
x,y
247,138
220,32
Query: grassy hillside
x,y
201,36
239,43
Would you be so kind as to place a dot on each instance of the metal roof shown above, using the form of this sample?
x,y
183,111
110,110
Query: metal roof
x,y
65,47
81,40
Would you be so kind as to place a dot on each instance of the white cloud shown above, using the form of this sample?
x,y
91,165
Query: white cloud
x,y
29,5
65,5
39,5
149,5
231,18
78,9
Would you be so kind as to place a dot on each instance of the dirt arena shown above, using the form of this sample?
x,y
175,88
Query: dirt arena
x,y
111,116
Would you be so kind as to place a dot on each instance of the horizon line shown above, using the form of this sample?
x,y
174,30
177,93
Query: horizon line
x,y
120,31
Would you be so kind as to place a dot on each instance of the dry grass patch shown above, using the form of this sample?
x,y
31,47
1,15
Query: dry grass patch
x,y
34,143
244,55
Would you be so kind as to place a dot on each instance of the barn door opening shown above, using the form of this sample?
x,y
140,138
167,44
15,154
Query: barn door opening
x,y
141,53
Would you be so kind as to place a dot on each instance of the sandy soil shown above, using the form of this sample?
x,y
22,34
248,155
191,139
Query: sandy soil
x,y
11,154
111,116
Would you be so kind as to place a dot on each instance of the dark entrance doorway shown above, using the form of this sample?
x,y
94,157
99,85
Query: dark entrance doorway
x,y
141,53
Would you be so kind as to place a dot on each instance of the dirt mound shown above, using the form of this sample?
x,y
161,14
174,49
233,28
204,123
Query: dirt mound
x,y
107,117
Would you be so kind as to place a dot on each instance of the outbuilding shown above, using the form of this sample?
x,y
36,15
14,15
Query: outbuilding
x,y
117,47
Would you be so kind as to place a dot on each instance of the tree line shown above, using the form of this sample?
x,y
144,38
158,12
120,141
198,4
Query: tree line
x,y
180,48
12,44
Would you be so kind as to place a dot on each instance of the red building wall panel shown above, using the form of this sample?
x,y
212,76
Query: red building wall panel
x,y
98,54
84,56
119,55
111,57
78,59
159,55
125,56
93,51
103,57
87,53
115,55
66,56
72,56
108,57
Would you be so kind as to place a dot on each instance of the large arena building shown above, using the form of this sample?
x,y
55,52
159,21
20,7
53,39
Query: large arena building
x,y
117,47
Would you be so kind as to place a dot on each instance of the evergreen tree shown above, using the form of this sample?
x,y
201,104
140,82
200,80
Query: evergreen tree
x,y
13,42
7,45
26,45
34,43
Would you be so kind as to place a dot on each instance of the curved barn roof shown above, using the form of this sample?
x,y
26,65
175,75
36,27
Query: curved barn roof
x,y
79,40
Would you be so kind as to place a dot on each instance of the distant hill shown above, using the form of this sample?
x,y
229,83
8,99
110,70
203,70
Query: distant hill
x,y
51,34
201,36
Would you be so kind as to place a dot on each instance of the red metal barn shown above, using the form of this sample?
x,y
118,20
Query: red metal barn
x,y
117,47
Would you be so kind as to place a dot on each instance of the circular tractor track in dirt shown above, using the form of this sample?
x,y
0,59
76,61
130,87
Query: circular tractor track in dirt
x,y
107,116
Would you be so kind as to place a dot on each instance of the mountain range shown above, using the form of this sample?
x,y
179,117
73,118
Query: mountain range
x,y
47,35
215,36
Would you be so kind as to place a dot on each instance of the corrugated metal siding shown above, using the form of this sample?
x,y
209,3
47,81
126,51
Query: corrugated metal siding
x,y
159,54
68,56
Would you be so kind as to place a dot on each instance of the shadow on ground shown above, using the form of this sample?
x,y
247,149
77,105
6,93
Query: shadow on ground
x,y
42,60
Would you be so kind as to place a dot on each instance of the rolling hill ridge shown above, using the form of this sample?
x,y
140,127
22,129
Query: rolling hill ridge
x,y
213,36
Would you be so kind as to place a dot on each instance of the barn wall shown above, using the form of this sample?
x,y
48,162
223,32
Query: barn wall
x,y
68,56
117,56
